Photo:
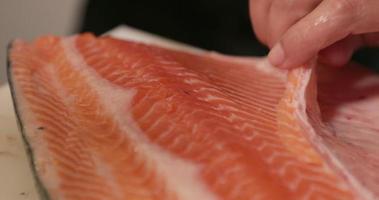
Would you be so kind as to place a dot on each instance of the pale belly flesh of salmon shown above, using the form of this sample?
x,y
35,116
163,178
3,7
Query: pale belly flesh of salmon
x,y
106,119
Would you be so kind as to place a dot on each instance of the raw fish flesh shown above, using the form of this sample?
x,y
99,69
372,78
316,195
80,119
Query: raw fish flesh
x,y
106,119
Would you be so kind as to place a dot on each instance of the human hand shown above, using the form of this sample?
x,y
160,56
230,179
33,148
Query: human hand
x,y
298,30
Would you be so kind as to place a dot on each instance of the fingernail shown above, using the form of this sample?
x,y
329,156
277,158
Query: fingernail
x,y
276,55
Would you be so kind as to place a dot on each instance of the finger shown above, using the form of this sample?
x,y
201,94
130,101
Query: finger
x,y
329,22
285,13
259,13
339,53
370,39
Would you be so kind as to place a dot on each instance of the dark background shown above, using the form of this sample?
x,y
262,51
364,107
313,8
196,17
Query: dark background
x,y
220,25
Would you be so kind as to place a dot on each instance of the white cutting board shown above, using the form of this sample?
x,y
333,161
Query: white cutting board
x,y
16,179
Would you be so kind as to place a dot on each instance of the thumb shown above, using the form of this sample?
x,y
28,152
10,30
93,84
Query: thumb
x,y
331,21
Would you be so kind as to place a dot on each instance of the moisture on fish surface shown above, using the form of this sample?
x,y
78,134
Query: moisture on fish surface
x,y
111,120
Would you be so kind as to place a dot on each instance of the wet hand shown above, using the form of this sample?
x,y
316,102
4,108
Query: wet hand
x,y
298,30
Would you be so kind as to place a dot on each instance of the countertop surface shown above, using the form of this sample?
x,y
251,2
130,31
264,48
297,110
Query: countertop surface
x,y
16,178
16,182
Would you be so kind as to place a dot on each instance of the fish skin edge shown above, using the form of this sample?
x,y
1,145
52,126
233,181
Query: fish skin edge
x,y
42,191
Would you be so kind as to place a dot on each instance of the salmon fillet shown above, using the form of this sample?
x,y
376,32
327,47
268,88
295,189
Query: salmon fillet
x,y
107,119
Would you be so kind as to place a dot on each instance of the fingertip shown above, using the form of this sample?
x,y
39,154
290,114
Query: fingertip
x,y
277,55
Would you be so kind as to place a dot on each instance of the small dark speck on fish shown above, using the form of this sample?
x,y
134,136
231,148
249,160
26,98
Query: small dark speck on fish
x,y
186,92
41,128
